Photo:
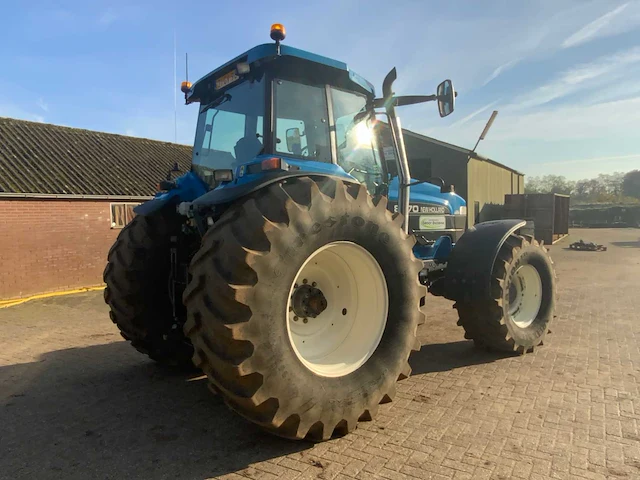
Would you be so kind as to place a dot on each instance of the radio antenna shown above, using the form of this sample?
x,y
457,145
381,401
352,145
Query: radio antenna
x,y
175,89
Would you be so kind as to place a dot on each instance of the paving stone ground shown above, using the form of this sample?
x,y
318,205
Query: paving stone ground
x,y
76,402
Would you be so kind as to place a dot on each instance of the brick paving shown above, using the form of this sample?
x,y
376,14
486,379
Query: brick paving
x,y
77,402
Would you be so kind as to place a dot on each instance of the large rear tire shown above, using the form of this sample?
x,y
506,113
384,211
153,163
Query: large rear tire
x,y
523,290
137,291
303,307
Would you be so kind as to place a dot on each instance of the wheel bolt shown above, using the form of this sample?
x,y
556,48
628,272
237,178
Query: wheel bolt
x,y
304,281
313,284
304,320
295,318
295,285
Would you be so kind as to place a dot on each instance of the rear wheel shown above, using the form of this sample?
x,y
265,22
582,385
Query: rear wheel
x,y
517,317
303,307
137,277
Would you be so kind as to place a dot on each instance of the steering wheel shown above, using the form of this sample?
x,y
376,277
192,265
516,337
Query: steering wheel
x,y
304,152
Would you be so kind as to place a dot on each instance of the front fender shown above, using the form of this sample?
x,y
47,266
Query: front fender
x,y
188,188
468,274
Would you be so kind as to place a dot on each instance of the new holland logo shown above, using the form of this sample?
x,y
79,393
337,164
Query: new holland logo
x,y
428,209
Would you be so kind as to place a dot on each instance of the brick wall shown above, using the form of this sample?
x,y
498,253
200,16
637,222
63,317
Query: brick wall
x,y
52,245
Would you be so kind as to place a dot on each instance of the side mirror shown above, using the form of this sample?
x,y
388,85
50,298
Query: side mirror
x,y
293,139
446,98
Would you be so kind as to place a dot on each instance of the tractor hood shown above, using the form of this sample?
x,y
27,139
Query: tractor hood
x,y
426,195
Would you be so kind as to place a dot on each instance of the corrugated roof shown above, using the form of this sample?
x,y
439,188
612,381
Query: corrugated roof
x,y
459,149
42,158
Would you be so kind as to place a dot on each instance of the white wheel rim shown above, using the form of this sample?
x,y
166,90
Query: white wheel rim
x,y
525,295
341,338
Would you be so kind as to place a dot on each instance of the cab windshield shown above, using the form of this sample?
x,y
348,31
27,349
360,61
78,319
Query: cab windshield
x,y
304,108
357,151
230,130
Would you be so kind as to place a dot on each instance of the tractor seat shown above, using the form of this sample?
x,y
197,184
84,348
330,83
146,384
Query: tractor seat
x,y
247,148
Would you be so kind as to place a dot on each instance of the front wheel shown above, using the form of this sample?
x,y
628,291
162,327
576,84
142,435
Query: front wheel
x,y
303,307
523,290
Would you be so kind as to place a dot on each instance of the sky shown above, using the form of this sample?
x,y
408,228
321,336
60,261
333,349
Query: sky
x,y
563,74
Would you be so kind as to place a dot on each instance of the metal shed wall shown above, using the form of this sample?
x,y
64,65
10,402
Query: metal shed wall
x,y
487,185
430,159
446,163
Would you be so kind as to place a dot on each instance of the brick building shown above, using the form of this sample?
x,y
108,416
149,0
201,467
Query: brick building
x,y
65,193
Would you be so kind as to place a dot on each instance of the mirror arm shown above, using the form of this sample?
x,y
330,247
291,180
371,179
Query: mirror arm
x,y
404,100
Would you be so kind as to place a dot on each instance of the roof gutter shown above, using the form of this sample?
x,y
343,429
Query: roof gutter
x,y
482,158
65,196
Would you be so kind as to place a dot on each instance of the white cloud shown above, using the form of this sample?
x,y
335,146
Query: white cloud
x,y
540,142
41,103
477,112
501,69
579,78
610,158
608,121
107,18
593,29
11,110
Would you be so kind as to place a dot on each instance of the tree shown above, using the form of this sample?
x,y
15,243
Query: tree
x,y
549,184
612,183
557,184
631,184
590,188
532,185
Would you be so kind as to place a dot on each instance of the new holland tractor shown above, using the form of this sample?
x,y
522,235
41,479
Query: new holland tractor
x,y
285,264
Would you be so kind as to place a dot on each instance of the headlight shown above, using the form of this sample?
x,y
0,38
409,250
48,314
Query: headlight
x,y
461,211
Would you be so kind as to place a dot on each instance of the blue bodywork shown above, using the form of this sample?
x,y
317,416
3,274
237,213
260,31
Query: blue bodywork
x,y
430,194
191,188
188,188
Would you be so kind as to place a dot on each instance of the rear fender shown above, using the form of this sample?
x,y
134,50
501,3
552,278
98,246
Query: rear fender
x,y
468,274
233,193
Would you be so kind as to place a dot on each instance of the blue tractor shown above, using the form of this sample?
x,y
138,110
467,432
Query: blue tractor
x,y
292,267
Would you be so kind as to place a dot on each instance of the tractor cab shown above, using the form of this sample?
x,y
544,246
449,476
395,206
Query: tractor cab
x,y
277,110
275,101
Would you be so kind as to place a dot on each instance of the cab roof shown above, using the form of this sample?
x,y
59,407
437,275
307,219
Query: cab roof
x,y
268,50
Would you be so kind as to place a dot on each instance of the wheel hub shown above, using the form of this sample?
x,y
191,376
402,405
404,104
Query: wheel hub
x,y
308,301
337,309
525,295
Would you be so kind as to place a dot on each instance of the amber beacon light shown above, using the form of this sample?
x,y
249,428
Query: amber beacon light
x,y
278,32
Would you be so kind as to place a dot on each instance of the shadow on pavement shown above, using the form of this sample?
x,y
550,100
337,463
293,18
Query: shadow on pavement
x,y
441,357
100,412
627,244
583,251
